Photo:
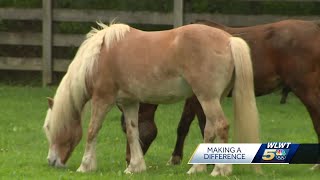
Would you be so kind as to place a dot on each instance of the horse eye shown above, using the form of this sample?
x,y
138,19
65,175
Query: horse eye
x,y
47,126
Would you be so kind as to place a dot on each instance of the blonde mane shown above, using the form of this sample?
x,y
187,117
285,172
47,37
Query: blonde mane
x,y
71,94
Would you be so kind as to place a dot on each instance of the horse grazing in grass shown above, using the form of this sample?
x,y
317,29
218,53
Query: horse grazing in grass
x,y
124,66
284,53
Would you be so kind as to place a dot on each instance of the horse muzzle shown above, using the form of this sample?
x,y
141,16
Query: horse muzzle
x,y
56,163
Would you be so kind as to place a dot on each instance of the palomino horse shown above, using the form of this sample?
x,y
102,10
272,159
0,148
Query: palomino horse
x,y
124,66
284,53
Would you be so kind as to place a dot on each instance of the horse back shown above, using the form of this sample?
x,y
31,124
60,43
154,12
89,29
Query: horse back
x,y
293,36
290,47
279,51
148,65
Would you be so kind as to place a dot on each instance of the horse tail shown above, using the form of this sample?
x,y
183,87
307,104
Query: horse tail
x,y
246,128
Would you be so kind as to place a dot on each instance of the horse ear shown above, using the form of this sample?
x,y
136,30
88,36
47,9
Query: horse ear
x,y
50,102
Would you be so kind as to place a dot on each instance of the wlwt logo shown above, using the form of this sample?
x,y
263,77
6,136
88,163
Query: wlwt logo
x,y
276,152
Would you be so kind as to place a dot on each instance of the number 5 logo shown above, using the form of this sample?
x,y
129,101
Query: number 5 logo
x,y
268,154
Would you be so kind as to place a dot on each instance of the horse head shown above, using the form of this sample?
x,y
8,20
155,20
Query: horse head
x,y
63,134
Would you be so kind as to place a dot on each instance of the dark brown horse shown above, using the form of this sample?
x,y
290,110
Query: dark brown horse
x,y
285,53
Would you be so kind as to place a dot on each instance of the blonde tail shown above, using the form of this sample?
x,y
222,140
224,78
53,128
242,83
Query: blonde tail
x,y
246,128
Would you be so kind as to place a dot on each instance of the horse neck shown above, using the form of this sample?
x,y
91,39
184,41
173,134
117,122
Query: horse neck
x,y
69,99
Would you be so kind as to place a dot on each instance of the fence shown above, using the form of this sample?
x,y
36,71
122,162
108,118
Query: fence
x,y
47,39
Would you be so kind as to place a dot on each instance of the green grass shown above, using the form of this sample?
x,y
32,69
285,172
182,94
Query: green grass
x,y
23,146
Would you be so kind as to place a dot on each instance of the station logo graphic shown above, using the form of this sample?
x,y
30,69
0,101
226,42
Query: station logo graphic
x,y
276,152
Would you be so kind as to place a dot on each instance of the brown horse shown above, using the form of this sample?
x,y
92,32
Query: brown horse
x,y
284,53
124,66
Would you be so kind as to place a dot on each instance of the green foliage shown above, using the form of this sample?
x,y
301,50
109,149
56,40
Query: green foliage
x,y
20,26
198,6
253,7
23,145
73,27
21,3
127,5
25,78
84,27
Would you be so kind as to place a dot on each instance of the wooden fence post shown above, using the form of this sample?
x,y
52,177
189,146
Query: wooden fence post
x,y
46,42
178,13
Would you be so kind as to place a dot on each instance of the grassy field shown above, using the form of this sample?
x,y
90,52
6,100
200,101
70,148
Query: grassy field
x,y
23,146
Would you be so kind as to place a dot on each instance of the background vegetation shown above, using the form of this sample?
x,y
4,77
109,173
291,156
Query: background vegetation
x,y
199,6
196,6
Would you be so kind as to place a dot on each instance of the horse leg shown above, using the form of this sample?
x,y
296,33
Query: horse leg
x,y
216,125
147,128
196,106
311,99
186,119
137,163
99,108
221,129
192,107
201,118
285,93
123,126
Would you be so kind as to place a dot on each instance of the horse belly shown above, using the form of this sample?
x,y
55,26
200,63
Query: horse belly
x,y
169,91
162,91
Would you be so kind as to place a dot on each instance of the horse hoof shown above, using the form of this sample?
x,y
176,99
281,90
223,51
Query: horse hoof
x,y
222,170
127,171
81,169
135,168
315,167
86,168
174,160
197,168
